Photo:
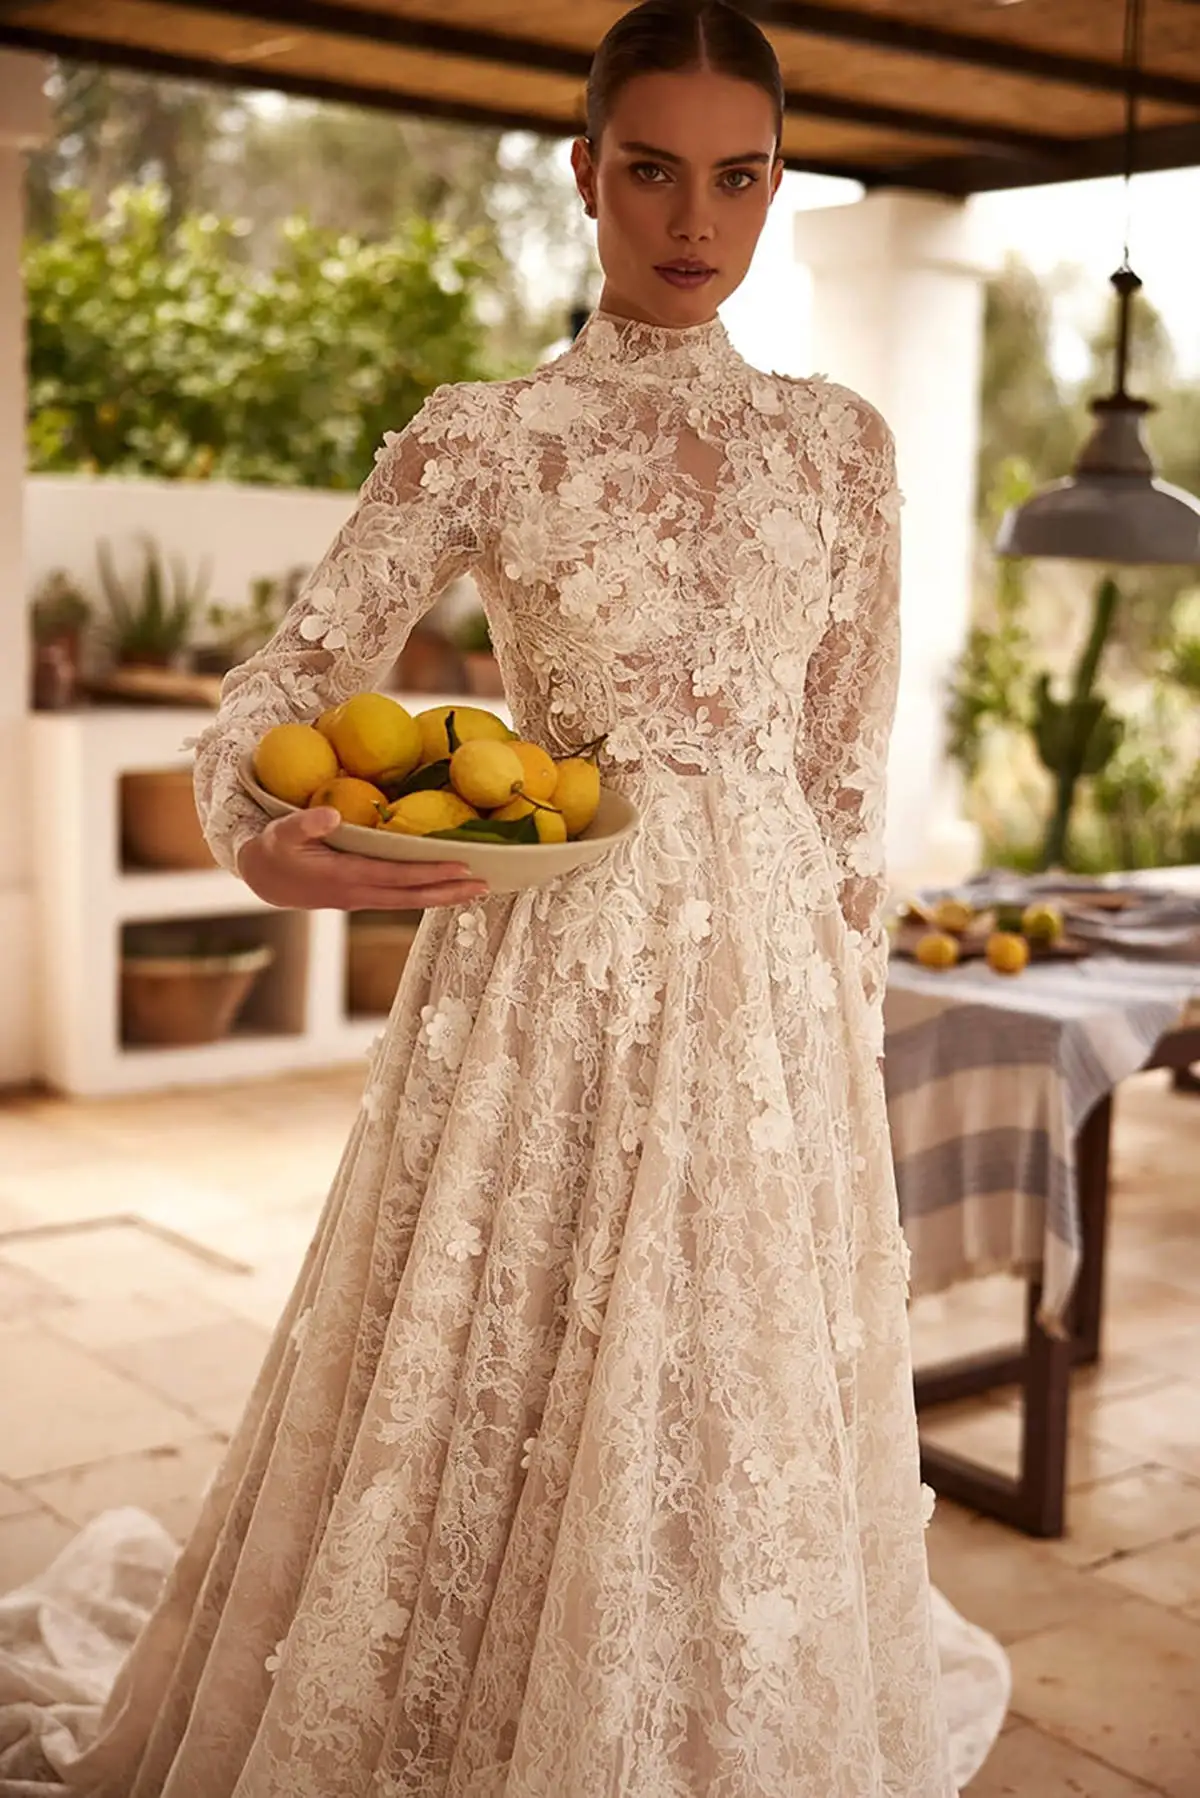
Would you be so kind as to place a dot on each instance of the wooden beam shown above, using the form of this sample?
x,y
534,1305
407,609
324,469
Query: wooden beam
x,y
970,49
1163,147
504,50
314,87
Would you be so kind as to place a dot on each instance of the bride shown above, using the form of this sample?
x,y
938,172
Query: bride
x,y
583,1462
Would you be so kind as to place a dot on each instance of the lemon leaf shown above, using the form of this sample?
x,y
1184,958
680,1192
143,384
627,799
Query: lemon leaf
x,y
492,830
422,780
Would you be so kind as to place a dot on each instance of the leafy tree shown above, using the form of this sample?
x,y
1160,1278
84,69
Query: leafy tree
x,y
264,161
155,348
1027,413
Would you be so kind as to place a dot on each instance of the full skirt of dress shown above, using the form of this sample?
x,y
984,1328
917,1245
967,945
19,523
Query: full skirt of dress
x,y
582,1463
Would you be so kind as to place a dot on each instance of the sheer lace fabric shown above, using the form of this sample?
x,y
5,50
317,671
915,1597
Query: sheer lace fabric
x,y
583,1462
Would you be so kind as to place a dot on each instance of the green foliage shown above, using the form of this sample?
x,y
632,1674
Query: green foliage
x,y
987,688
154,349
509,196
153,619
240,631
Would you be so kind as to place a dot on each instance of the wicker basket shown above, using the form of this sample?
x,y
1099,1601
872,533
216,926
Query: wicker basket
x,y
378,949
172,1000
159,824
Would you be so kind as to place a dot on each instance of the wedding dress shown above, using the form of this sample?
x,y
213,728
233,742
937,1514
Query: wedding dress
x,y
583,1462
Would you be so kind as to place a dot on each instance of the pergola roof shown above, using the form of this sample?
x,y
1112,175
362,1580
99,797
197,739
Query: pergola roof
x,y
949,96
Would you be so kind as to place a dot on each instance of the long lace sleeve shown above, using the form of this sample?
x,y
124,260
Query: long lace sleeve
x,y
422,518
850,691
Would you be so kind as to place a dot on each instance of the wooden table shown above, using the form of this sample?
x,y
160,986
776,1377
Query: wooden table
x,y
1034,1501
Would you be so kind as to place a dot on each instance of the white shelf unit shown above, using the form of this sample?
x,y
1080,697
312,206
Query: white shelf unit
x,y
296,1017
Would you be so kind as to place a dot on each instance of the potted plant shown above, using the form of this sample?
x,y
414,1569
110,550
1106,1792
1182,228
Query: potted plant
x,y
185,983
481,670
152,617
59,616
237,632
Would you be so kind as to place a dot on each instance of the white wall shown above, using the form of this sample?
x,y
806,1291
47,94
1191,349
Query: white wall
x,y
245,532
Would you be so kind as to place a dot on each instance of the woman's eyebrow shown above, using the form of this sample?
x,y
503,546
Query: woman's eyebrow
x,y
639,149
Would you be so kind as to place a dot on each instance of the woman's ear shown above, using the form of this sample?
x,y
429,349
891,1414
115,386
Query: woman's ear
x,y
585,174
776,174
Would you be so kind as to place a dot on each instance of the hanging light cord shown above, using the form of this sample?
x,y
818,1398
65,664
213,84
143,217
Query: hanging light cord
x,y
1134,19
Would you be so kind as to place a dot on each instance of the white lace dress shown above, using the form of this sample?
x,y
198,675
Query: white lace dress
x,y
583,1462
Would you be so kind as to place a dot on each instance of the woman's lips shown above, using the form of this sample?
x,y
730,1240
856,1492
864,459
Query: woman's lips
x,y
685,274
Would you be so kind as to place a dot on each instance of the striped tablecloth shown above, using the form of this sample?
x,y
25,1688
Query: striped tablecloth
x,y
988,1080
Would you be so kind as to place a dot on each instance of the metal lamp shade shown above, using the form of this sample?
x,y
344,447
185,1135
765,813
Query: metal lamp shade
x,y
1112,509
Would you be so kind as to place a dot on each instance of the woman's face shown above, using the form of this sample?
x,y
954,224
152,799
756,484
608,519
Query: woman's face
x,y
680,183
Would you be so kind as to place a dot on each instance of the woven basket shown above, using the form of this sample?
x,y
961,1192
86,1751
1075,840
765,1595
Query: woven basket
x,y
377,951
172,1000
159,824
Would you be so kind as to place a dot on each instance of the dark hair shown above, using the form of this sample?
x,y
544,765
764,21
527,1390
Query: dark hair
x,y
673,36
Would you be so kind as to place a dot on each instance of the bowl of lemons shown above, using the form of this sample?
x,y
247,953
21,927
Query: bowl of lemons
x,y
452,783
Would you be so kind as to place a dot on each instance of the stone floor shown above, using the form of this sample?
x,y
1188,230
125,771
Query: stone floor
x,y
146,1246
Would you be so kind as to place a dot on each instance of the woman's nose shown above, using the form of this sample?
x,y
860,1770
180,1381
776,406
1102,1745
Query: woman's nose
x,y
692,219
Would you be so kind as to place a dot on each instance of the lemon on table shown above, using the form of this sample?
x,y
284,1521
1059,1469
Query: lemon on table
x,y
375,738
471,723
357,800
952,916
292,761
550,824
1007,953
937,949
419,814
486,774
1042,923
577,793
541,770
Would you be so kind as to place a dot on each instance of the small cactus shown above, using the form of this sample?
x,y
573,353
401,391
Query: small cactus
x,y
1076,738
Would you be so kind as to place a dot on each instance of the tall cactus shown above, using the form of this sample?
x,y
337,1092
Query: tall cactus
x,y
1079,736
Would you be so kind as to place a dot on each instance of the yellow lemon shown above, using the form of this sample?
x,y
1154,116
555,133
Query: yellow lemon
x,y
327,720
417,814
551,825
292,761
1042,923
375,737
952,916
1007,953
541,770
486,774
577,793
357,800
937,949
471,722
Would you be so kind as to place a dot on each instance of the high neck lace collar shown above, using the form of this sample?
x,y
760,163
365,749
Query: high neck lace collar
x,y
654,351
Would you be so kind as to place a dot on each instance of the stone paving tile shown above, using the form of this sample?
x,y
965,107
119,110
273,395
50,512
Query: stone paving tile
x,y
1119,1684
167,1482
1027,1764
28,1544
64,1407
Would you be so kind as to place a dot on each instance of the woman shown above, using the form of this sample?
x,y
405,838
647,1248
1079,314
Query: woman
x,y
583,1462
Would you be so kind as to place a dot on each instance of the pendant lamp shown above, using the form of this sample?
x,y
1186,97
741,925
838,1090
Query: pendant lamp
x,y
1113,509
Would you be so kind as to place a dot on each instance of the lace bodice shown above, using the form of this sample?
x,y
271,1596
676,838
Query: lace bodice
x,y
695,557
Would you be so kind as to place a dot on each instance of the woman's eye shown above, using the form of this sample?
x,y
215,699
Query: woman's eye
x,y
742,177
647,171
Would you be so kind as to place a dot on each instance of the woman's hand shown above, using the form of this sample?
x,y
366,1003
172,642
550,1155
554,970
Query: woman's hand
x,y
290,865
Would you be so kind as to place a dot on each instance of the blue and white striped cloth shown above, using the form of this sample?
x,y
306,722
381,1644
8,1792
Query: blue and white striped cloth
x,y
988,1080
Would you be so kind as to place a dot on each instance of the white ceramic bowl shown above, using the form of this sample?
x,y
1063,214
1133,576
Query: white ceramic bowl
x,y
506,867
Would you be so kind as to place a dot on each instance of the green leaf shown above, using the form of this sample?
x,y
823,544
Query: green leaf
x,y
432,777
492,830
